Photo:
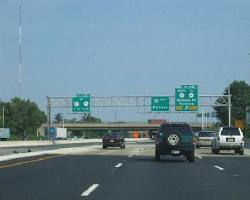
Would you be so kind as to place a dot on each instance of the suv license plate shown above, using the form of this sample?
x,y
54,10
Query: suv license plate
x,y
230,140
111,140
175,152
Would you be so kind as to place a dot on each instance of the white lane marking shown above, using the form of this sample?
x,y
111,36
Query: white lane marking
x,y
219,168
130,156
236,175
118,165
89,190
199,157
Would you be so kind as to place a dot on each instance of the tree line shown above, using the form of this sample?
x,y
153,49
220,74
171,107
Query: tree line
x,y
23,117
240,92
86,118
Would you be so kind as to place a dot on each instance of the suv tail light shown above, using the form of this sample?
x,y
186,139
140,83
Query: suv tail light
x,y
194,141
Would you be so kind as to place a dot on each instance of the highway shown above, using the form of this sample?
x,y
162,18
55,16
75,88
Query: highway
x,y
89,172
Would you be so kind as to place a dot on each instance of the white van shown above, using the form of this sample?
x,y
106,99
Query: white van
x,y
229,138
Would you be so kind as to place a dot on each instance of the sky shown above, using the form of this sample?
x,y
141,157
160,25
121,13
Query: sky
x,y
119,48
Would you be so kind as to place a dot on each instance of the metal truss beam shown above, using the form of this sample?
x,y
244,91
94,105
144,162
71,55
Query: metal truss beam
x,y
134,101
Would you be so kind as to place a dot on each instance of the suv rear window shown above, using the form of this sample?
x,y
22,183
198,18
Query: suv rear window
x,y
230,131
206,134
167,129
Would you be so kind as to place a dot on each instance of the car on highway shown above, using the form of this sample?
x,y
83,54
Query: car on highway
x,y
229,138
113,139
204,139
175,139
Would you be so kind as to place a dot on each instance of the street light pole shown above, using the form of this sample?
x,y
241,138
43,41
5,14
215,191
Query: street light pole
x,y
3,116
229,106
48,117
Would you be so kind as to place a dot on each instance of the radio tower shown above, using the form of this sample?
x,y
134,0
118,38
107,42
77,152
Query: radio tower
x,y
20,53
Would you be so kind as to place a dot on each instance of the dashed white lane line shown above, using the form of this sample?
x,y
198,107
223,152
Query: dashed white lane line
x,y
118,165
89,190
219,168
130,156
199,157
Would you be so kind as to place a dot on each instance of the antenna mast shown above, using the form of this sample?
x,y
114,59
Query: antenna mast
x,y
20,52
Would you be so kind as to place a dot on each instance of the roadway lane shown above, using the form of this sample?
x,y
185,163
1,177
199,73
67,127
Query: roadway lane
x,y
127,174
175,178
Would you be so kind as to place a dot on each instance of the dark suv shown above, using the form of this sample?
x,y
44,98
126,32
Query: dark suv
x,y
113,139
174,139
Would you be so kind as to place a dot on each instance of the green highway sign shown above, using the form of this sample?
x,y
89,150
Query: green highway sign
x,y
160,104
81,103
186,98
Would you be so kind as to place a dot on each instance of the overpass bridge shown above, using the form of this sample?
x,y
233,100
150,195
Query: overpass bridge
x,y
128,126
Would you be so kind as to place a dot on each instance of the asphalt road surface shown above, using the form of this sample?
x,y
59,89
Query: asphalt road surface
x,y
111,174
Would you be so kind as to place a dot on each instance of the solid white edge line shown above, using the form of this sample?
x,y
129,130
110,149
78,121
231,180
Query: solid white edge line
x,y
219,168
89,190
118,165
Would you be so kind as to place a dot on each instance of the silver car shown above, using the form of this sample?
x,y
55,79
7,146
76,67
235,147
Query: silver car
x,y
205,138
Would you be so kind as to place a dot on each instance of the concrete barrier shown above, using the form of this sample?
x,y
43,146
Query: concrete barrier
x,y
247,142
49,142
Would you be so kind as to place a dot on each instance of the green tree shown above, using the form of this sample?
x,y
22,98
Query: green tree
x,y
58,118
23,117
88,118
240,92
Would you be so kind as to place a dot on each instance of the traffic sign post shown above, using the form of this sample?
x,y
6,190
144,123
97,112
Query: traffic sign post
x,y
160,104
186,98
81,103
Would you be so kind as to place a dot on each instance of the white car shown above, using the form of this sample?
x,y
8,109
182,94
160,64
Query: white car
x,y
229,138
204,139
